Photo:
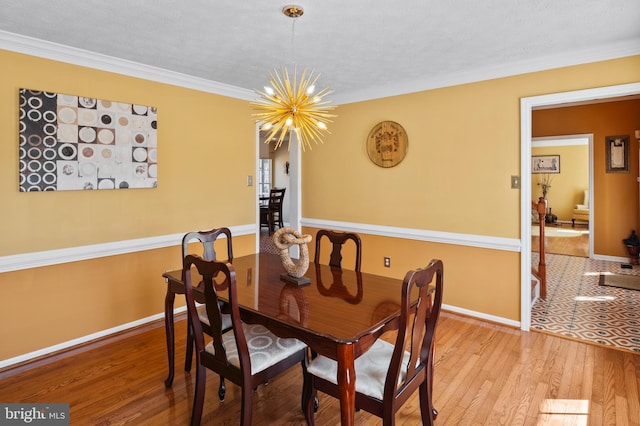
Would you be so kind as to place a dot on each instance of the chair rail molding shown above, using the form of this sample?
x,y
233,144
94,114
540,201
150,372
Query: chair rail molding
x,y
470,240
17,262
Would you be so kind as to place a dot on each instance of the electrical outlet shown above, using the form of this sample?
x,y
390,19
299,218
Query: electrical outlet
x,y
387,262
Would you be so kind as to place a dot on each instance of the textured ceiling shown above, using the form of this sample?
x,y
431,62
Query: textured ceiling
x,y
361,48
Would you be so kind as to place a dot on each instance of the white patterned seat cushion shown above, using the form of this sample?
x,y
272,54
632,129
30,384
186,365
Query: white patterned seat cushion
x,y
265,348
371,369
202,314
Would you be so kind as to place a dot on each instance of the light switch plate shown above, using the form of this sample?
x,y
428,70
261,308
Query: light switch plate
x,y
515,182
249,180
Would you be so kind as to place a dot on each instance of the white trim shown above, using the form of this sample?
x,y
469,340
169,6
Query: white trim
x,y
84,339
71,55
470,240
58,52
527,105
570,140
602,53
614,259
17,262
481,315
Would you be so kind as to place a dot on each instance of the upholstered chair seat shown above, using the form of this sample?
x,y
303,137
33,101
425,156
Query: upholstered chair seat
x,y
371,369
265,348
202,314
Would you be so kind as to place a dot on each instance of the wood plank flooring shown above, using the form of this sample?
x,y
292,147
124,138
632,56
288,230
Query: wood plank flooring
x,y
485,374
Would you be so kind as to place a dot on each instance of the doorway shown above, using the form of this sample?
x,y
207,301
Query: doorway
x,y
527,105
567,187
290,174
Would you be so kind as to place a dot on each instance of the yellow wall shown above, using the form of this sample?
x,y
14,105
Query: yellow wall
x,y
464,269
197,133
567,187
615,195
464,145
198,189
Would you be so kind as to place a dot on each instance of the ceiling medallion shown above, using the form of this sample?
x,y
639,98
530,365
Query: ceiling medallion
x,y
291,104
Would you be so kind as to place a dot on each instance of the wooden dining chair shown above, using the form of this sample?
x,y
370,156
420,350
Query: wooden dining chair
x,y
271,214
388,374
232,354
338,239
207,240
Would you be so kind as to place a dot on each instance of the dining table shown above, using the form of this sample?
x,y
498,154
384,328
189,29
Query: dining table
x,y
339,313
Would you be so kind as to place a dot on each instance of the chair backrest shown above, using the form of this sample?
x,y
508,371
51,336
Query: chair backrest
x,y
417,328
217,278
276,198
338,239
207,238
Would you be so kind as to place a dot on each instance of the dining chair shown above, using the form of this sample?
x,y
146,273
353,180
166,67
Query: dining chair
x,y
338,239
232,354
388,374
271,214
207,240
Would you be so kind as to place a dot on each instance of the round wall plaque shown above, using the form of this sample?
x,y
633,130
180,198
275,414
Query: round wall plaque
x,y
387,144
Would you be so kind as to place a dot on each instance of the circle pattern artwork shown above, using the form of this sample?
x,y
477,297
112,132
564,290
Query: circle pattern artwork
x,y
69,142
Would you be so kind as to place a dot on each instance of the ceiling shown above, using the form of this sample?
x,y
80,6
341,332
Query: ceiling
x,y
363,49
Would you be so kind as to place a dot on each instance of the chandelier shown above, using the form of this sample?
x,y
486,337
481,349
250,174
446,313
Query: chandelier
x,y
292,105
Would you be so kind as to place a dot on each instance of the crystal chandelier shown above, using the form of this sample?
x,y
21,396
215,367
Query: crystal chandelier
x,y
291,105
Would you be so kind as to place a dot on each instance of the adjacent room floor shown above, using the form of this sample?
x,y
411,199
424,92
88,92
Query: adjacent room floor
x,y
578,307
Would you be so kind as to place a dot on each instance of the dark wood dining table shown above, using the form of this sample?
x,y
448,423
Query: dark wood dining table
x,y
340,314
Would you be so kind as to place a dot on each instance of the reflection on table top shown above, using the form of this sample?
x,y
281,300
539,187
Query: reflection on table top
x,y
313,306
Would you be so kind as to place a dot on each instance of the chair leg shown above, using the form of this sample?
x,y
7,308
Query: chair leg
x,y
190,344
222,390
269,223
309,399
198,397
427,411
247,406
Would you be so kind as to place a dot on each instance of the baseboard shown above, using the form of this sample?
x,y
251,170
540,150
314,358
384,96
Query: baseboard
x,y
48,354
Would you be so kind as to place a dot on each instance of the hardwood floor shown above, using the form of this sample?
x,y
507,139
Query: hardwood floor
x,y
484,374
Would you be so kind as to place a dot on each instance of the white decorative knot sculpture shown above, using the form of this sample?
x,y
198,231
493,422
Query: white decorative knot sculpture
x,y
283,239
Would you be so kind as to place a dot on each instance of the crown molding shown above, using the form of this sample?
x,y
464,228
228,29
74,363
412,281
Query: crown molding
x,y
58,52
578,57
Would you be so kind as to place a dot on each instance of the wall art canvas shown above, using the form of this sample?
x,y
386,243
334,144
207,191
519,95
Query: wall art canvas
x,y
70,142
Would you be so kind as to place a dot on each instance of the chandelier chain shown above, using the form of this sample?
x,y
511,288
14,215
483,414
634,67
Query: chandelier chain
x,y
293,50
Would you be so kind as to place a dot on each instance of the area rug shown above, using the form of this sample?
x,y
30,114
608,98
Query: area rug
x,y
630,282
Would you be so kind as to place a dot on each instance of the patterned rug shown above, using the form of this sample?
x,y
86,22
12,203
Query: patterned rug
x,y
630,282
266,244
578,307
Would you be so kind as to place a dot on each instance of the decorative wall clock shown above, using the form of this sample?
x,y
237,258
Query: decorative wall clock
x,y
387,144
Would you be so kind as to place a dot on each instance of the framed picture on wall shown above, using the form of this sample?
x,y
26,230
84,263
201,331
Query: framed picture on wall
x,y
70,142
545,164
617,154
